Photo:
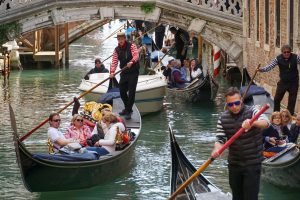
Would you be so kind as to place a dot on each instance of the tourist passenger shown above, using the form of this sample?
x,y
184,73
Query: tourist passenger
x,y
177,78
288,77
78,130
245,153
99,68
182,40
168,70
56,137
101,128
128,56
295,130
196,71
185,70
286,118
107,144
276,134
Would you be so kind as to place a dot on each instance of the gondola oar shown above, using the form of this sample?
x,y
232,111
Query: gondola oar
x,y
251,82
211,159
67,105
160,60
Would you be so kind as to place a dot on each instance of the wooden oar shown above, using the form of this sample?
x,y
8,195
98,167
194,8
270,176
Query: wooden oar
x,y
251,82
67,105
210,160
167,53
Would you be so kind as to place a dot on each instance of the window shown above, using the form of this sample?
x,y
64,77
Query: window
x,y
249,21
277,23
257,20
267,22
291,23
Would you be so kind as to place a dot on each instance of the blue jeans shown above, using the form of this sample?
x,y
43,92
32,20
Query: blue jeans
x,y
100,150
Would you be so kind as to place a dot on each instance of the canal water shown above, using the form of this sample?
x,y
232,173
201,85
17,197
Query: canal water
x,y
34,93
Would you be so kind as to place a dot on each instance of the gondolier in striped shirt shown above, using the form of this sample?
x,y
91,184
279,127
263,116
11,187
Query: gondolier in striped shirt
x,y
245,153
288,77
127,54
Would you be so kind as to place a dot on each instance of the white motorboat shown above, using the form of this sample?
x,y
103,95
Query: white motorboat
x,y
150,91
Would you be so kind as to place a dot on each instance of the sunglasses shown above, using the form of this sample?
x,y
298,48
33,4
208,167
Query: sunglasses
x,y
286,52
56,120
236,103
79,120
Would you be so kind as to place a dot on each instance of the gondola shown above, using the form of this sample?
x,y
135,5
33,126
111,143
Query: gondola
x,y
46,172
283,168
198,90
182,169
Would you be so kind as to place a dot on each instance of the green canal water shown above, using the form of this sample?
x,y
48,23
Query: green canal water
x,y
34,93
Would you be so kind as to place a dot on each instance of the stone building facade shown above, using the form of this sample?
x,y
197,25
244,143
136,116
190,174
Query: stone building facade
x,y
267,25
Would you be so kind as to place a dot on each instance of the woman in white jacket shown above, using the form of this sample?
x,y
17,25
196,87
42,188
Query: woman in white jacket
x,y
108,144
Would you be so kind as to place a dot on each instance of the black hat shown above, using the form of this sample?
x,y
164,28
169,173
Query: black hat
x,y
97,60
173,28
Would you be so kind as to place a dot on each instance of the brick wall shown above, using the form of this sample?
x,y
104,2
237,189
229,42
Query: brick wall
x,y
257,52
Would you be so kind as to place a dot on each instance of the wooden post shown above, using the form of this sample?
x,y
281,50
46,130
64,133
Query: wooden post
x,y
200,45
56,45
8,64
37,42
67,44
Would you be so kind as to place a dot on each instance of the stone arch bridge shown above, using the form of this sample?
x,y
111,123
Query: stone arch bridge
x,y
218,21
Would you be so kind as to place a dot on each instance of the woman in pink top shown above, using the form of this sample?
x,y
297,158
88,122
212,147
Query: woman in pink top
x,y
78,130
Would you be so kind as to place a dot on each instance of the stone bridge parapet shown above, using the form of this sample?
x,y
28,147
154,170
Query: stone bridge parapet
x,y
218,21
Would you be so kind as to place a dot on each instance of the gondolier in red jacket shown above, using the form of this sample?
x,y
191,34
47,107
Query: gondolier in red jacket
x,y
127,54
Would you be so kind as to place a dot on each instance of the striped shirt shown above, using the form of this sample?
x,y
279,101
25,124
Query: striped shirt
x,y
115,59
273,64
221,136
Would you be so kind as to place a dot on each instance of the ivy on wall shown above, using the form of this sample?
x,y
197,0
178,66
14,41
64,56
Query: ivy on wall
x,y
148,7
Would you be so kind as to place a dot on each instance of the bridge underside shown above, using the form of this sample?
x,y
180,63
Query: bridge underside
x,y
219,28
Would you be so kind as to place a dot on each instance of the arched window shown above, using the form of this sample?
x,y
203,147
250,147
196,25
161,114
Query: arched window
x,y
257,19
267,32
249,18
277,24
291,22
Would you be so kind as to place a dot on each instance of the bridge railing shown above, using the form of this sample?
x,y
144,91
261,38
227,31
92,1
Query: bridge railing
x,y
10,8
227,6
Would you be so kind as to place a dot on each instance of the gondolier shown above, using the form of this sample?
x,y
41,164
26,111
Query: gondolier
x,y
245,153
288,77
182,40
127,54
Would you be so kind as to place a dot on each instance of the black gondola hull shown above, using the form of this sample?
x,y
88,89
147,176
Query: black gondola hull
x,y
283,169
198,91
182,169
41,175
